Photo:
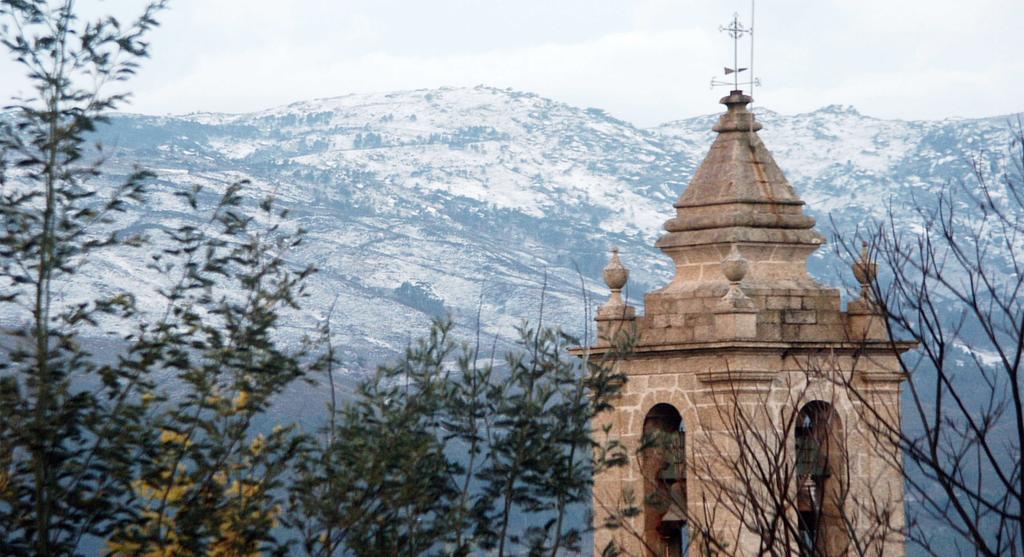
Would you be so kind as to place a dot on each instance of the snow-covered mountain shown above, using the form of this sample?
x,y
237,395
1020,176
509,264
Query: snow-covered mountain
x,y
427,201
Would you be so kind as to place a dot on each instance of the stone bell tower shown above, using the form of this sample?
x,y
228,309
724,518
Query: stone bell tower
x,y
747,414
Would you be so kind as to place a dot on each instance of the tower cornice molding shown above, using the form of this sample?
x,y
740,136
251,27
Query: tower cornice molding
x,y
737,347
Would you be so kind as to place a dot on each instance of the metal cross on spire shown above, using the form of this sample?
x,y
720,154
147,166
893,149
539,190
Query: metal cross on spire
x,y
736,30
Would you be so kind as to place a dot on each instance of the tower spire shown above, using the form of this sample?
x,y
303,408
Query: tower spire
x,y
739,195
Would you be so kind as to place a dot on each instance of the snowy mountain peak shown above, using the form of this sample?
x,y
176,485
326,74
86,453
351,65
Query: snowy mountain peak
x,y
427,201
843,109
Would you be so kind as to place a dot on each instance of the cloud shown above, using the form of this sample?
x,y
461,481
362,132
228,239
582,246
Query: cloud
x,y
625,72
646,61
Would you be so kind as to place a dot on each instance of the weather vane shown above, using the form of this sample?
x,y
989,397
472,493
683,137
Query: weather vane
x,y
736,30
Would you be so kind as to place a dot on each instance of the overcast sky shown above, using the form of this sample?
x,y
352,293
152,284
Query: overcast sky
x,y
646,61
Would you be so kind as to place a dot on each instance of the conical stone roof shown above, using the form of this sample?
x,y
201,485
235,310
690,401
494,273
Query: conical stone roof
x,y
739,196
738,168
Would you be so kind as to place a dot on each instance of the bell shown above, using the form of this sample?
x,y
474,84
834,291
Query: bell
x,y
674,516
807,495
669,473
809,460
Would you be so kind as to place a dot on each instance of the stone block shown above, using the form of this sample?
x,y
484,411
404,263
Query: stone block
x,y
655,304
688,273
824,332
791,332
735,325
769,331
703,332
829,317
699,319
821,302
866,326
799,316
645,366
684,334
688,305
777,302
662,381
628,401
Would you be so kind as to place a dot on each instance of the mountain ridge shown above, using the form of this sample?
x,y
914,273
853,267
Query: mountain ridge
x,y
760,110
481,198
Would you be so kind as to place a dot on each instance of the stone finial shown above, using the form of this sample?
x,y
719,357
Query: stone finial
x,y
615,276
736,314
735,266
615,273
864,315
865,270
615,316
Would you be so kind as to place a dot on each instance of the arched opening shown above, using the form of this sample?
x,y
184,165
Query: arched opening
x,y
820,467
663,464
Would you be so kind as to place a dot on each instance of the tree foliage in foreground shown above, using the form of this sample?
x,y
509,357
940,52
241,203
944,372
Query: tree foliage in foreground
x,y
446,453
147,443
70,428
